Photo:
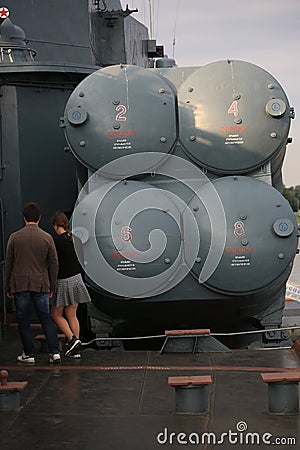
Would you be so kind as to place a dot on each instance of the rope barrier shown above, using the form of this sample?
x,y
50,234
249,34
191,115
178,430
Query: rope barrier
x,y
256,331
122,338
187,335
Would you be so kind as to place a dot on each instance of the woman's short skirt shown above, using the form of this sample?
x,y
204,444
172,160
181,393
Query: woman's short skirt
x,y
70,291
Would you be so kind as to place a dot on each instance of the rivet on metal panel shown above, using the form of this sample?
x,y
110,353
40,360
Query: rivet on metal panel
x,y
237,96
198,259
270,86
81,94
116,126
82,143
192,138
190,89
285,335
237,120
161,90
273,134
280,255
163,139
167,260
116,102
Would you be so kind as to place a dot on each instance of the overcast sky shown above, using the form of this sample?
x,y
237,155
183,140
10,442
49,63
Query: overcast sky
x,y
263,32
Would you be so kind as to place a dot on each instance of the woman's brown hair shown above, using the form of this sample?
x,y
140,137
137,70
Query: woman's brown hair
x,y
60,219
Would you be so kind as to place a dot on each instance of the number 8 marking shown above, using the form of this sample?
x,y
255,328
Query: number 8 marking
x,y
239,230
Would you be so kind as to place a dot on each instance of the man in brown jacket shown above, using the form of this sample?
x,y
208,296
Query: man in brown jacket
x,y
31,268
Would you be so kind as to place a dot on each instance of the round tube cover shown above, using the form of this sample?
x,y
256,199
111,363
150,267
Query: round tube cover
x,y
261,235
118,111
233,116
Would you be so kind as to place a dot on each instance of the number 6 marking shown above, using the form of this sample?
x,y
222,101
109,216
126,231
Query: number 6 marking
x,y
122,110
126,234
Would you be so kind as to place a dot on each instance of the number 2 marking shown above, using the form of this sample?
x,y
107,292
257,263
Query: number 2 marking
x,y
121,114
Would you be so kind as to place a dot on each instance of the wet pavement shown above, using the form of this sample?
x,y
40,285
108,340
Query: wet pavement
x,y
118,400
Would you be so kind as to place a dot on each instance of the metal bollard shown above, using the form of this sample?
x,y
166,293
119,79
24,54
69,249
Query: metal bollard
x,y
283,397
190,393
10,392
190,399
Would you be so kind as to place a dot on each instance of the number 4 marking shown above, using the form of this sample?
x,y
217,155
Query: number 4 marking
x,y
233,108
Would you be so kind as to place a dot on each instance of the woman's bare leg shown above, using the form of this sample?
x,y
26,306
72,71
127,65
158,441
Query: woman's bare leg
x,y
61,322
70,312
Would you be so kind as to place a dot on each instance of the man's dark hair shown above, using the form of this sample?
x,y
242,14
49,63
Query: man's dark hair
x,y
31,212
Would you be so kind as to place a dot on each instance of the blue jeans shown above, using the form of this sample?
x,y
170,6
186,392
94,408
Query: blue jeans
x,y
40,300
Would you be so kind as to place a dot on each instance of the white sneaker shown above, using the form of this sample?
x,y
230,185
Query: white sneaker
x,y
26,359
75,356
55,358
72,346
